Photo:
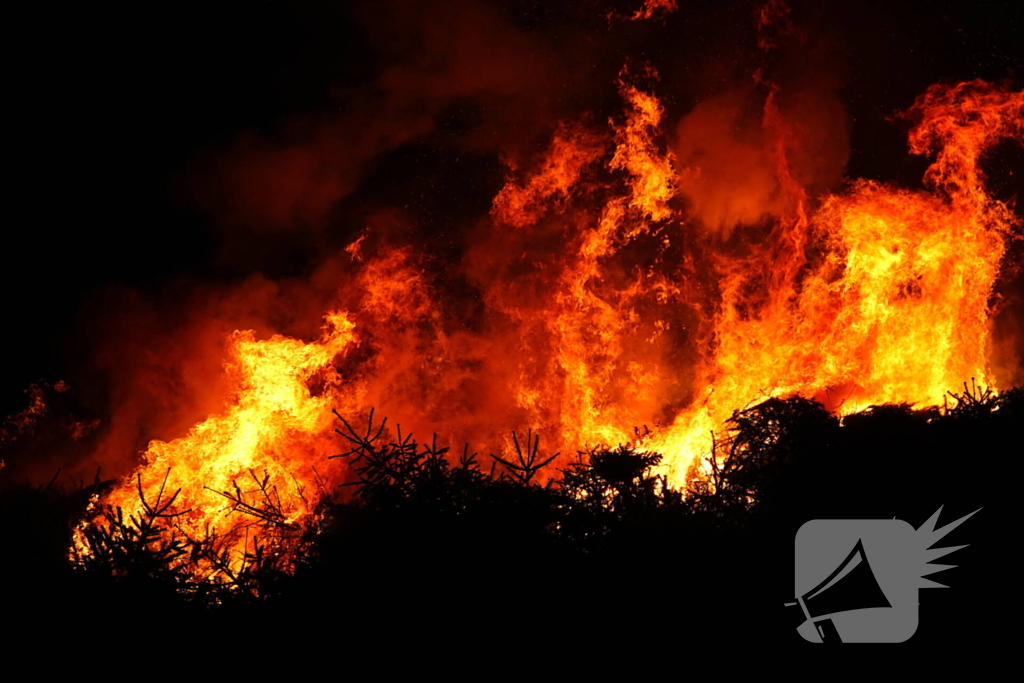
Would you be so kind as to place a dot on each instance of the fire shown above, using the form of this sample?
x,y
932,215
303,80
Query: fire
x,y
654,8
257,458
897,309
875,294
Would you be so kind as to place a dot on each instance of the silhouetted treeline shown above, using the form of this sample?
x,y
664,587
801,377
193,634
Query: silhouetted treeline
x,y
607,554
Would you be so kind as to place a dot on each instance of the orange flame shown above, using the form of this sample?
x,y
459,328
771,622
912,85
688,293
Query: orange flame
x,y
879,294
897,308
654,8
271,433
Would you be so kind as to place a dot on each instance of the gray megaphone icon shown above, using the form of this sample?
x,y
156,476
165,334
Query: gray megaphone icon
x,y
858,601
851,586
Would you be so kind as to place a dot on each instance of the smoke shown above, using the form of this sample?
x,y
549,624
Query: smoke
x,y
731,156
784,121
461,73
465,76
730,177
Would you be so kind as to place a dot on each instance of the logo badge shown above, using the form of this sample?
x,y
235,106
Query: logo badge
x,y
856,580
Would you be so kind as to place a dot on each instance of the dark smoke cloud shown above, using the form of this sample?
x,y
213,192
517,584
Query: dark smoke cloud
x,y
432,62
783,115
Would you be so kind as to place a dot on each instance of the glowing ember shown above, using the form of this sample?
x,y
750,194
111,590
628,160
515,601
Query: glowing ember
x,y
655,8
